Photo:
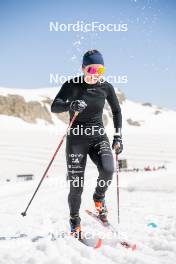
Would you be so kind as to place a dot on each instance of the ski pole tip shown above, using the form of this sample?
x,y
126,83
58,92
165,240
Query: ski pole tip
x,y
23,214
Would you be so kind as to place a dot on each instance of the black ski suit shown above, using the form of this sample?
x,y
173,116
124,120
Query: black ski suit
x,y
96,145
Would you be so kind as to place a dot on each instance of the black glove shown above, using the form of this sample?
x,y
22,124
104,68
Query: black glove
x,y
78,105
117,144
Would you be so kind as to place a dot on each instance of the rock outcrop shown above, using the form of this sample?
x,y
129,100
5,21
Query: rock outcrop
x,y
31,111
15,105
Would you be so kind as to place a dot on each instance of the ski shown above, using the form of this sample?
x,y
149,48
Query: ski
x,y
87,240
112,229
94,243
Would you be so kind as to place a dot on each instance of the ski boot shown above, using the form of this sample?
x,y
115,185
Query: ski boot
x,y
100,207
75,227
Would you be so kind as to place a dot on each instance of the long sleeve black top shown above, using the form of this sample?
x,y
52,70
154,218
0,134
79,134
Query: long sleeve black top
x,y
94,95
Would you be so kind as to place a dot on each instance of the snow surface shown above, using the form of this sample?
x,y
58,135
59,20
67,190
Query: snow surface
x,y
145,197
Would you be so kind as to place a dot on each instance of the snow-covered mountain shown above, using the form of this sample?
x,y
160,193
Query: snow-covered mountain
x,y
28,110
33,107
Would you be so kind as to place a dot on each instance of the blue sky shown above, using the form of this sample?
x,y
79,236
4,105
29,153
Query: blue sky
x,y
146,53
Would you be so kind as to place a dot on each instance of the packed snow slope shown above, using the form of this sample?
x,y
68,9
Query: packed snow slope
x,y
145,197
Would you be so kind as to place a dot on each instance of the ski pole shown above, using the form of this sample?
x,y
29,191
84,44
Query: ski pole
x,y
118,200
51,161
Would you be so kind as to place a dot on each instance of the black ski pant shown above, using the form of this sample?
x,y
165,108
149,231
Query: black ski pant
x,y
77,149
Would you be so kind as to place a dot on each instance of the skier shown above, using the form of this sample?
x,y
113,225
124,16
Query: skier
x,y
86,94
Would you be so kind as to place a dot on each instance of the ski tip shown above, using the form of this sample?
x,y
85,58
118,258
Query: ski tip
x,y
98,244
133,247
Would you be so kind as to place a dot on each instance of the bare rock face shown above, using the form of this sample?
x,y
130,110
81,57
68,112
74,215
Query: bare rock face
x,y
47,100
64,117
15,105
132,122
29,111
157,112
61,116
147,104
105,119
121,96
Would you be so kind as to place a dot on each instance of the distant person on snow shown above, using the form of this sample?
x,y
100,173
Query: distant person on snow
x,y
87,94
